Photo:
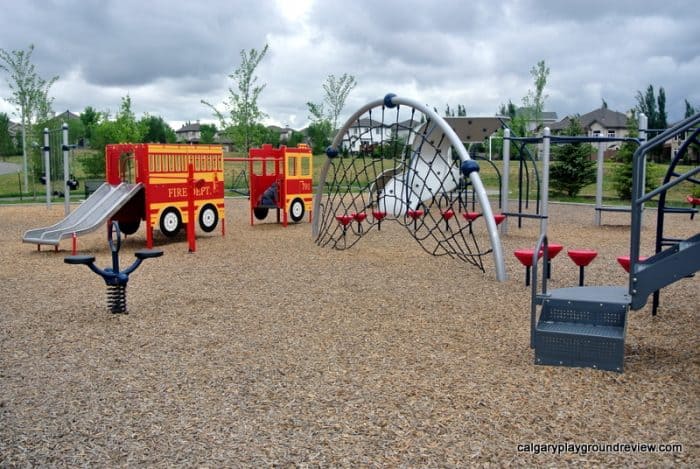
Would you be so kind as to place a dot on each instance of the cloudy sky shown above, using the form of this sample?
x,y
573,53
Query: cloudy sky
x,y
169,55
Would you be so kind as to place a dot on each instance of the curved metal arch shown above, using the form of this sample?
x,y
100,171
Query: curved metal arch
x,y
451,140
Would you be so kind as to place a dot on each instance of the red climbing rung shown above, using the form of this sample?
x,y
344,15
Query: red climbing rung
x,y
624,261
415,213
378,214
447,214
471,216
582,257
359,217
344,219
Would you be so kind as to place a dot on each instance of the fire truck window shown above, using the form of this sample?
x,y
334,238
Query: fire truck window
x,y
305,166
291,166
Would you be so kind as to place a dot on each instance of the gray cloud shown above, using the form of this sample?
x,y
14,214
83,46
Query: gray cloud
x,y
168,55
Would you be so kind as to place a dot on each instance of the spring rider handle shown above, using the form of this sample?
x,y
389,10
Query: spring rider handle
x,y
115,279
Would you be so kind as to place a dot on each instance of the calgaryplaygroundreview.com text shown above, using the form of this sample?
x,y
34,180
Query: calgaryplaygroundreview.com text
x,y
586,448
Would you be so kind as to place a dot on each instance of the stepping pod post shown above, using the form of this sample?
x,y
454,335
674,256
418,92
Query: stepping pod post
x,y
114,278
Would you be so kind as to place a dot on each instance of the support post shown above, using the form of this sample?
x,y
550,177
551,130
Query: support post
x,y
191,243
643,127
504,179
47,167
599,183
66,170
544,195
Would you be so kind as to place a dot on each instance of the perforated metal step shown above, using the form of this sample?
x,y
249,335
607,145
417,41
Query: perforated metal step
x,y
583,327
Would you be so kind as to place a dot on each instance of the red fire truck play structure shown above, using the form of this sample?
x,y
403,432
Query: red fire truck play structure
x,y
280,179
180,184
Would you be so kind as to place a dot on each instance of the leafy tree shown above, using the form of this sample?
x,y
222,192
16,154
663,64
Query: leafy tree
x,y
89,117
534,101
30,94
155,130
7,145
573,168
207,133
655,110
689,109
320,130
295,139
124,129
336,91
242,105
623,173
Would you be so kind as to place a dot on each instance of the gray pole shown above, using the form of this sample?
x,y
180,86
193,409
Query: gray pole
x,y
544,196
599,183
47,167
643,127
504,178
66,170
24,155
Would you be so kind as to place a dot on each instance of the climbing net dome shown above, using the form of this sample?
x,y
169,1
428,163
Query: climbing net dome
x,y
397,161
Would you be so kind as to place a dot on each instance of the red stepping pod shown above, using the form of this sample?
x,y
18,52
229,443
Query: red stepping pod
x,y
471,216
344,219
359,217
447,214
693,200
378,215
582,257
624,261
499,217
415,213
552,251
525,258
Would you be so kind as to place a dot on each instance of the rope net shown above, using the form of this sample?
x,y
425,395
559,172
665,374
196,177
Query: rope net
x,y
396,165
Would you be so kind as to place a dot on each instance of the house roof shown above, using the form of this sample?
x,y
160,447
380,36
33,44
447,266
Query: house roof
x,y
67,115
189,128
603,116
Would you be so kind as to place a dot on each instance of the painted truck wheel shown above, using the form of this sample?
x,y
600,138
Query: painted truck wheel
x,y
208,218
296,210
170,222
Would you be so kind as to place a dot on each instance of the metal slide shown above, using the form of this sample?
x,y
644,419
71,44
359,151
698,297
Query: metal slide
x,y
102,204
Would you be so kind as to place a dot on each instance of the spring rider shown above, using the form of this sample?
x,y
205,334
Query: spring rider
x,y
115,279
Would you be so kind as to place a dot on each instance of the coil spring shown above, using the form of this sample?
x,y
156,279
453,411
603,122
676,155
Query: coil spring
x,y
116,299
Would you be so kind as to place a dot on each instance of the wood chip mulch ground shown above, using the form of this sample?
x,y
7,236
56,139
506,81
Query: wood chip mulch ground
x,y
263,349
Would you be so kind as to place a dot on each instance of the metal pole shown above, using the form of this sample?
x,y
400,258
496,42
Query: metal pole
x,y
544,196
47,167
643,126
599,183
504,178
66,170
24,153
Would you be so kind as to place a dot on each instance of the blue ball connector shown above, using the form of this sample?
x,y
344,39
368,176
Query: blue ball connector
x,y
115,279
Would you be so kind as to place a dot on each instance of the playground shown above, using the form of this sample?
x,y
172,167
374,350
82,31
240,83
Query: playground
x,y
262,348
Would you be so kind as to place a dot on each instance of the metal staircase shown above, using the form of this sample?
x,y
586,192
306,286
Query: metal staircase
x,y
586,326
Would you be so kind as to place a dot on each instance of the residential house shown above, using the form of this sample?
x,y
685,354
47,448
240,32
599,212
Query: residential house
x,y
600,122
546,118
189,133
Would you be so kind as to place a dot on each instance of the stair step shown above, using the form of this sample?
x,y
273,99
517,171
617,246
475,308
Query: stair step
x,y
583,327
580,345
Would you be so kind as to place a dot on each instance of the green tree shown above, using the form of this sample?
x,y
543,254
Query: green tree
x,y
533,102
295,139
336,91
689,109
154,129
242,105
123,129
655,110
207,133
661,116
89,117
573,168
30,95
320,129
7,145
623,172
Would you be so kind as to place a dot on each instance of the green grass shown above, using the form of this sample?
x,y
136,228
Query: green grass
x,y
9,183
